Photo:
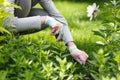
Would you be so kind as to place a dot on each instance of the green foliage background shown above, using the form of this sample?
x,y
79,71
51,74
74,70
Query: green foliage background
x,y
38,56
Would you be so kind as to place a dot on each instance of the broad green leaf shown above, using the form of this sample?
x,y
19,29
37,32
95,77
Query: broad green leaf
x,y
2,38
117,57
70,77
100,33
4,30
101,52
3,75
105,78
68,65
100,43
2,1
1,47
118,76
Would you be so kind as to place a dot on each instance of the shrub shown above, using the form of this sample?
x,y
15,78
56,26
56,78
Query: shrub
x,y
107,59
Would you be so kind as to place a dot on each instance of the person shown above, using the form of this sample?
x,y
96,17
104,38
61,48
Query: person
x,y
33,19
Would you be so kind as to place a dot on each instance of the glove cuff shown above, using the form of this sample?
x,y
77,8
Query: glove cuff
x,y
72,48
50,21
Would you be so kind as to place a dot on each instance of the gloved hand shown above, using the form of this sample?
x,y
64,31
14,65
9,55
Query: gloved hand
x,y
56,27
78,55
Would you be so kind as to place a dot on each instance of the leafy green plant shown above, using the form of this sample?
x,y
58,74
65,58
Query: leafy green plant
x,y
3,14
108,57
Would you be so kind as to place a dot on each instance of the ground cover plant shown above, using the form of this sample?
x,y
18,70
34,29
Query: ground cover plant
x,y
38,56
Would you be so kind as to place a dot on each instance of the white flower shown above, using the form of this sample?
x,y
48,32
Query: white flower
x,y
92,11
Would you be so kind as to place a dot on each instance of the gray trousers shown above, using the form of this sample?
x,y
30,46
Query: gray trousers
x,y
28,18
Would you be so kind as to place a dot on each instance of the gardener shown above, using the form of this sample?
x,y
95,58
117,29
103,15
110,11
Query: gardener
x,y
30,19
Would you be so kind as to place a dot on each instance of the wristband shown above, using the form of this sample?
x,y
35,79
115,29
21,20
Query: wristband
x,y
72,48
50,21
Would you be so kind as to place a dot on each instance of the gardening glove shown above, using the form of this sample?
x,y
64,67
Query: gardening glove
x,y
78,55
56,27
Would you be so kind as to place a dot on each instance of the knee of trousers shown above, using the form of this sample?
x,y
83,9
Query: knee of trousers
x,y
25,8
16,25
